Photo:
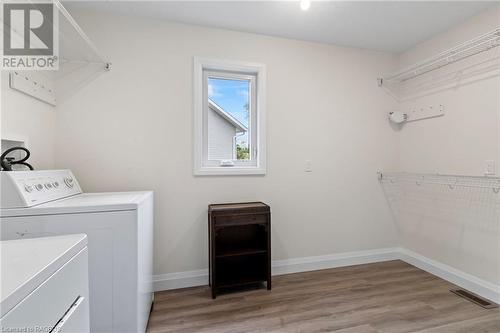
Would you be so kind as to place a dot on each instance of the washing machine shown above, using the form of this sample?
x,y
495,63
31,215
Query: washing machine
x,y
119,227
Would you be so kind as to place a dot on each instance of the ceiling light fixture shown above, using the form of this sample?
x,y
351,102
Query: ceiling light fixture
x,y
305,4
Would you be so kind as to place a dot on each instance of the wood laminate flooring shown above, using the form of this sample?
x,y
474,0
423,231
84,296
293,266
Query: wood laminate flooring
x,y
388,297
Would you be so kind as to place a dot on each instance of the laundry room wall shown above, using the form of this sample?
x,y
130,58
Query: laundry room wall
x,y
459,227
27,119
467,135
132,129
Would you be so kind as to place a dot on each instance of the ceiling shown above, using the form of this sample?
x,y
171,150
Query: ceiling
x,y
391,26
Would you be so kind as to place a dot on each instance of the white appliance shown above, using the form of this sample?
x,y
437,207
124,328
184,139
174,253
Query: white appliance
x,y
119,227
44,284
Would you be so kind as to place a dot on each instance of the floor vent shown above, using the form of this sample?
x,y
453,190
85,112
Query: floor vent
x,y
474,298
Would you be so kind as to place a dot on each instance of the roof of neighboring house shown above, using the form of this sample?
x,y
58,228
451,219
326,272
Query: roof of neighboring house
x,y
232,120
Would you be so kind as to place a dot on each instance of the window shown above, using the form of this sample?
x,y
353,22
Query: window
x,y
229,118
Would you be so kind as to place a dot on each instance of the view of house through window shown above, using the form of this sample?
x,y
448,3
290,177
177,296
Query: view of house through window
x,y
229,118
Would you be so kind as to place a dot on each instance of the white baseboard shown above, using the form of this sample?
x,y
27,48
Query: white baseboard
x,y
279,267
180,280
306,264
464,280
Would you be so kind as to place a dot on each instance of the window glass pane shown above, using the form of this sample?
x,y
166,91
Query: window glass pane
x,y
228,117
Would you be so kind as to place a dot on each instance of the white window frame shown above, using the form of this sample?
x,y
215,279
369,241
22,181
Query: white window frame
x,y
239,70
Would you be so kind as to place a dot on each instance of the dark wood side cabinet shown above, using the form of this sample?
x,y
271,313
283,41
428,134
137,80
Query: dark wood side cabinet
x,y
239,237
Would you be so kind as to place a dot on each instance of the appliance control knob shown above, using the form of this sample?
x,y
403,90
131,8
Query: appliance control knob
x,y
48,186
28,188
55,184
39,187
69,182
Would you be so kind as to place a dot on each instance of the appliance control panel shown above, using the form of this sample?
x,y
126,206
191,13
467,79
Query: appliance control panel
x,y
20,189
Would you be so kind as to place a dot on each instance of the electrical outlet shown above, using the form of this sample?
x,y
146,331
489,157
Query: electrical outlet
x,y
489,167
308,166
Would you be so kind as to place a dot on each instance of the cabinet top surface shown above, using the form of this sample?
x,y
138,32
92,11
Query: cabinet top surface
x,y
236,206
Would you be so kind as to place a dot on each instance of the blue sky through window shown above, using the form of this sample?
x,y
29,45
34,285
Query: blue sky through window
x,y
232,96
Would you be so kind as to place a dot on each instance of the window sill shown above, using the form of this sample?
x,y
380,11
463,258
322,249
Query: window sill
x,y
229,171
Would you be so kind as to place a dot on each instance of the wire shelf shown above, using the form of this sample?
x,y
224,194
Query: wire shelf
x,y
452,181
74,44
462,51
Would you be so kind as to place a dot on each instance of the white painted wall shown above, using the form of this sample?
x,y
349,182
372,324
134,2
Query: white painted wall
x,y
220,136
132,129
26,118
459,142
460,227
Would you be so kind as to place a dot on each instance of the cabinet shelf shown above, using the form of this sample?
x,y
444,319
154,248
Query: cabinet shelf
x,y
242,252
240,282
241,270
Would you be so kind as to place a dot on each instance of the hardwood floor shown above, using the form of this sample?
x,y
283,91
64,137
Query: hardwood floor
x,y
389,297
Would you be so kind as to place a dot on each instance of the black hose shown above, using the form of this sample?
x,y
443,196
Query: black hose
x,y
7,163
